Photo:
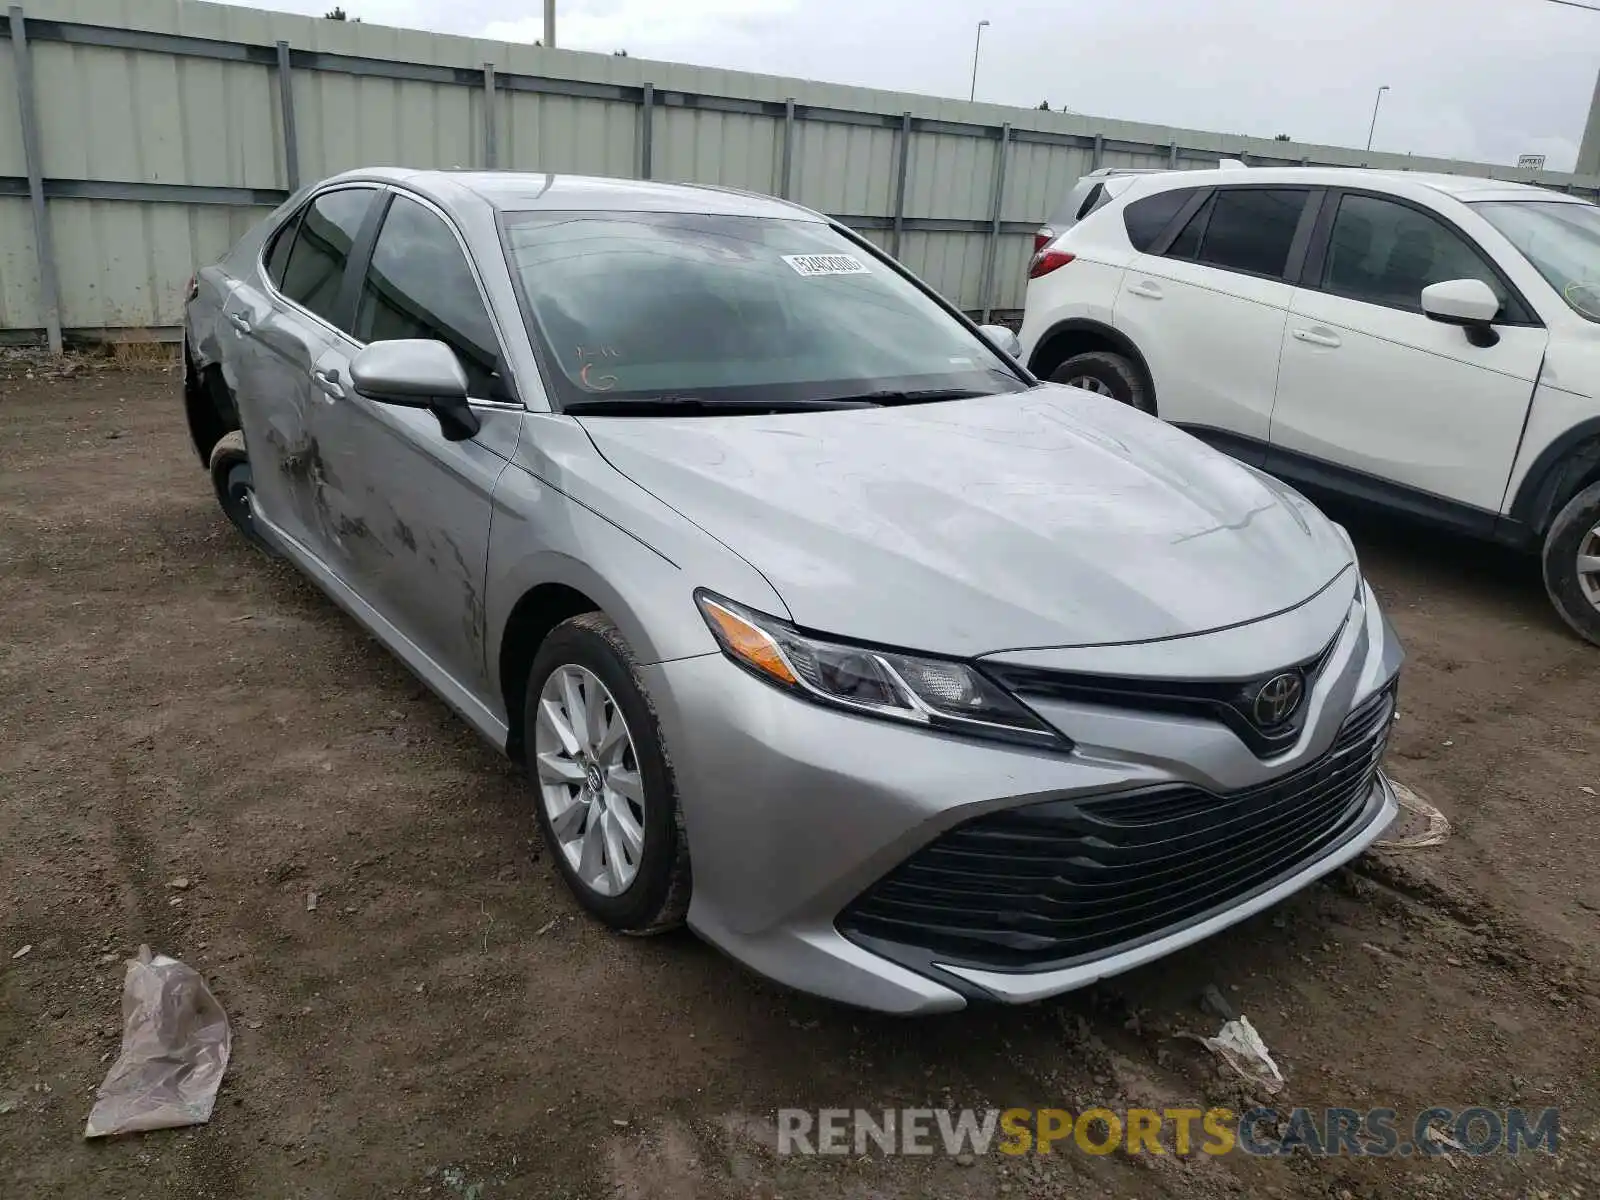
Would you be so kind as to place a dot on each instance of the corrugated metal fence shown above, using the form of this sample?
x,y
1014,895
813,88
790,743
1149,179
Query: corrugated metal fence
x,y
141,137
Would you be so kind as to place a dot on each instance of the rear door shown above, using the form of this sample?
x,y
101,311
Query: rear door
x,y
280,327
411,510
1370,384
1206,306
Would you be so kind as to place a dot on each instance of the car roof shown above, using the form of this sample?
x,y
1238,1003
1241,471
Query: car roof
x,y
525,191
1466,188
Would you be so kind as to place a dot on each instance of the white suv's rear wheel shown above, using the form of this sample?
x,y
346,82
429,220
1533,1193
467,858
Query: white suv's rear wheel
x,y
1107,374
1572,563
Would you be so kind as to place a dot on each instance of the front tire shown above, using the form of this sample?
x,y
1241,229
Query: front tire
x,y
606,799
1572,563
1107,374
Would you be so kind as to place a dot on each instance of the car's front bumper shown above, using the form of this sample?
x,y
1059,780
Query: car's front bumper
x,y
794,810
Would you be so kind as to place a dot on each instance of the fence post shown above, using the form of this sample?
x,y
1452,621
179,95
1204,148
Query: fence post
x,y
646,129
996,199
44,247
900,183
788,148
291,142
491,150
1099,150
1172,156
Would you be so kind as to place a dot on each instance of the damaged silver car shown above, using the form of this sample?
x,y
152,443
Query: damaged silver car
x,y
818,623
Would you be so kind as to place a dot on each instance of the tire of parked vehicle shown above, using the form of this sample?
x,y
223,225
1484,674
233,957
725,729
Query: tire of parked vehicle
x,y
230,477
605,795
1573,540
1109,375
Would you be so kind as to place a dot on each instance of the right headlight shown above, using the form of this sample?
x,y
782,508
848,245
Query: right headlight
x,y
935,693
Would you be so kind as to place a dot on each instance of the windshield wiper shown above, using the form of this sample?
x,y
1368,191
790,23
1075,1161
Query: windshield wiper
x,y
914,396
660,406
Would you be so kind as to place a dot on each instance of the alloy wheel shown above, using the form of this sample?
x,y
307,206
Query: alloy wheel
x,y
589,779
1589,566
1091,383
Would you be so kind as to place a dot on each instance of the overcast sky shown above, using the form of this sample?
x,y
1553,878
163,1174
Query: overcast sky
x,y
1474,79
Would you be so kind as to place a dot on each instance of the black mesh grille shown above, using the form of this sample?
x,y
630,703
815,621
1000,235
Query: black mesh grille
x,y
1051,884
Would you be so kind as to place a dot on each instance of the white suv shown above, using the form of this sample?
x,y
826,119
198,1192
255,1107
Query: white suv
x,y
1427,343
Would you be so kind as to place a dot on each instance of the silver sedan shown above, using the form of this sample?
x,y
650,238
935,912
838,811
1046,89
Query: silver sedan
x,y
816,621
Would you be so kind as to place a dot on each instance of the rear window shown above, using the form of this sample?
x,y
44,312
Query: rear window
x,y
641,305
1251,229
1147,219
328,229
278,251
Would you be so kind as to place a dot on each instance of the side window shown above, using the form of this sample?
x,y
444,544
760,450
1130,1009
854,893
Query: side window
x,y
1147,219
322,248
1187,244
1251,229
1091,201
1386,253
420,286
277,256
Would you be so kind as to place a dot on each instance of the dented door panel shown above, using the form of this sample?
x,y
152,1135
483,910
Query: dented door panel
x,y
402,515
270,352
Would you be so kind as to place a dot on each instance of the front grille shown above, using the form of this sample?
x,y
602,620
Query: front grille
x,y
1230,703
1053,884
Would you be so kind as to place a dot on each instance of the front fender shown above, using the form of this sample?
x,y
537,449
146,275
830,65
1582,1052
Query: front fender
x,y
562,514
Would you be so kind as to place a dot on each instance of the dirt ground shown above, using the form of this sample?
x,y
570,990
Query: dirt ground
x,y
174,705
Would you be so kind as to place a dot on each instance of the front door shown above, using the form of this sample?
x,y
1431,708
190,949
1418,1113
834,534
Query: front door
x,y
1368,383
411,510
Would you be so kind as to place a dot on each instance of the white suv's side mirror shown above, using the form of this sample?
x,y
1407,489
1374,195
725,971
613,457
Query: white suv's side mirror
x,y
1469,303
1002,338
1460,301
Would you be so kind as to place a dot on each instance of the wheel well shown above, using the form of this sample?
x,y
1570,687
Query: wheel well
x,y
535,615
1080,337
1567,467
208,403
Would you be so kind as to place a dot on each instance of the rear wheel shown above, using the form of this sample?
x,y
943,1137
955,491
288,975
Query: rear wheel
x,y
607,803
235,487
1572,563
1107,374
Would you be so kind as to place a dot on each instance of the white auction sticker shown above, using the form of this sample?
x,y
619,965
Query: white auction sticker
x,y
826,264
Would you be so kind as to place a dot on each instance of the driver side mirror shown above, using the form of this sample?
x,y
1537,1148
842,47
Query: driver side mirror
x,y
417,373
1469,303
1002,339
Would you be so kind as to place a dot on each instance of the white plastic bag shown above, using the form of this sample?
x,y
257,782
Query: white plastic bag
x,y
1239,1045
175,1046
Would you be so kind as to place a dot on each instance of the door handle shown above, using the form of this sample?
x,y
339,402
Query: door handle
x,y
239,321
328,381
1316,337
1147,288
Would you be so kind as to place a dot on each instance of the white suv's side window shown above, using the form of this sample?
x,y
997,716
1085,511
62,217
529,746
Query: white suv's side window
x,y
1244,229
1386,253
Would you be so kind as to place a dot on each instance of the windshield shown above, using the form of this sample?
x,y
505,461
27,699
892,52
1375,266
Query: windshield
x,y
1561,240
676,306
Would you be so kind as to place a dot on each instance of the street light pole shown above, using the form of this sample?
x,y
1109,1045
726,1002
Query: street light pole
x,y
550,23
1374,125
976,45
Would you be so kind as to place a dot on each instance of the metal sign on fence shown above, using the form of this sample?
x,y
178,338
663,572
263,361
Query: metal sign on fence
x,y
1533,162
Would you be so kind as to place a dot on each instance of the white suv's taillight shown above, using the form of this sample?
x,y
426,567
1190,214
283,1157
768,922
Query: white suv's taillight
x,y
1043,237
1046,261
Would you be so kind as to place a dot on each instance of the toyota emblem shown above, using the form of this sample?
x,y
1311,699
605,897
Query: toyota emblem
x,y
1278,699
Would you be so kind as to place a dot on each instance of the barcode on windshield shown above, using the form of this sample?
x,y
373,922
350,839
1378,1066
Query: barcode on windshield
x,y
826,264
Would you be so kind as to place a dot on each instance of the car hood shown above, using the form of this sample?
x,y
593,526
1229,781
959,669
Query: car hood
x,y
1052,517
